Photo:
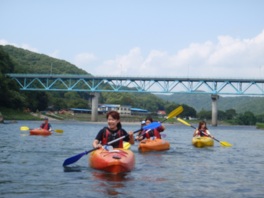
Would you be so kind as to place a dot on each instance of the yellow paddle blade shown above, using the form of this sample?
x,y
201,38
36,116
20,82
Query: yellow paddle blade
x,y
226,144
126,145
24,128
58,130
183,122
175,112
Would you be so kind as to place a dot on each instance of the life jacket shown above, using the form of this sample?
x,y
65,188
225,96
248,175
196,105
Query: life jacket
x,y
108,136
45,126
152,133
202,132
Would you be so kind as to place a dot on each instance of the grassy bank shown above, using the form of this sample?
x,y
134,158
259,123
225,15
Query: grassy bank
x,y
260,125
11,114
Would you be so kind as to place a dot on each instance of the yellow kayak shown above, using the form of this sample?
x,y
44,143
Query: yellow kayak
x,y
202,142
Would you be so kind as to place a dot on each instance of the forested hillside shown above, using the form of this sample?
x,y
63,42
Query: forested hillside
x,y
26,61
203,102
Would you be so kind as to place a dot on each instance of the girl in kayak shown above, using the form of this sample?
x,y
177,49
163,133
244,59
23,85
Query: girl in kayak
x,y
202,130
113,131
147,134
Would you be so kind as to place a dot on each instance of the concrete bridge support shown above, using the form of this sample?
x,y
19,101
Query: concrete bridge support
x,y
95,99
214,109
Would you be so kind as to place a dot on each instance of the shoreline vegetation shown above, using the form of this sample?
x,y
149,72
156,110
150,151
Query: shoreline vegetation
x,y
12,116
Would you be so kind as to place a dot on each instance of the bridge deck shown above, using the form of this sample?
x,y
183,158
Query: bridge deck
x,y
67,82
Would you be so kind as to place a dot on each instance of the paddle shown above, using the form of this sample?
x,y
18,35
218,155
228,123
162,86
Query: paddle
x,y
25,128
126,145
226,144
172,114
75,158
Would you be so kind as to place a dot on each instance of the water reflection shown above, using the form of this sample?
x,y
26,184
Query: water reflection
x,y
104,176
74,168
110,184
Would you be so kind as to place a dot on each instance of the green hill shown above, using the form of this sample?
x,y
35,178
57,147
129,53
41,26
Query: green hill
x,y
203,102
26,61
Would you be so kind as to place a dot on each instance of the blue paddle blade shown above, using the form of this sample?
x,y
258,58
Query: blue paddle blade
x,y
75,158
152,125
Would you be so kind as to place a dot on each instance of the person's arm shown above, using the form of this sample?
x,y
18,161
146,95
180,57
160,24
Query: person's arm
x,y
131,137
50,129
209,134
195,132
98,139
161,128
96,144
140,137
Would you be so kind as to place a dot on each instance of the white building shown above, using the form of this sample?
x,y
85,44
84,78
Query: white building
x,y
122,109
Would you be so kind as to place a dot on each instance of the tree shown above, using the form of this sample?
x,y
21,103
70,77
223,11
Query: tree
x,y
230,114
9,91
247,118
204,115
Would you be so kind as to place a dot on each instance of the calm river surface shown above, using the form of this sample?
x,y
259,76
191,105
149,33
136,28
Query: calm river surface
x,y
31,166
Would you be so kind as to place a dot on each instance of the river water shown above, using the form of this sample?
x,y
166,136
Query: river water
x,y
31,166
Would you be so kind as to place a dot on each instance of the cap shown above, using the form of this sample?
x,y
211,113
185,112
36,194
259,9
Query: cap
x,y
46,118
143,122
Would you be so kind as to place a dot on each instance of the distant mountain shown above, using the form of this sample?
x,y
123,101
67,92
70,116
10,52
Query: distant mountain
x,y
203,101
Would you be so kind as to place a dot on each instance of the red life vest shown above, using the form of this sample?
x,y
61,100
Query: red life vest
x,y
45,126
152,133
202,132
107,137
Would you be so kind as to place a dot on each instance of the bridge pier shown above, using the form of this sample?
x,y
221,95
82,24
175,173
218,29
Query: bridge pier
x,y
214,109
94,115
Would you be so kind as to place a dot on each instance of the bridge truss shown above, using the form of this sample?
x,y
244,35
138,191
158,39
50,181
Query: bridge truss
x,y
86,83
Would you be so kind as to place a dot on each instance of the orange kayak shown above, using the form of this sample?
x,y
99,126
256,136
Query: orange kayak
x,y
39,132
153,145
114,161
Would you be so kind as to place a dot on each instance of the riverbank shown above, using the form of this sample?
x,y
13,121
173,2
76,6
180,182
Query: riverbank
x,y
11,116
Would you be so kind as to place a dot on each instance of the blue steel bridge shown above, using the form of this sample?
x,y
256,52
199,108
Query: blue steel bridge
x,y
165,85
66,82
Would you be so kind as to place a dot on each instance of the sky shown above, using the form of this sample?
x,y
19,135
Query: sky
x,y
160,38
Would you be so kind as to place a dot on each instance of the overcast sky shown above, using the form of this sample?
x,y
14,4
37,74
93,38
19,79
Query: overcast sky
x,y
170,38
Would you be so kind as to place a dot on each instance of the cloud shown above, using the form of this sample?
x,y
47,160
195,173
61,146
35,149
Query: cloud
x,y
55,54
227,57
128,64
85,60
